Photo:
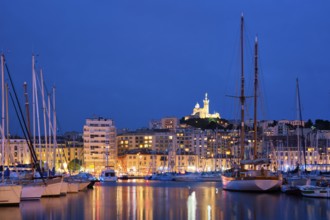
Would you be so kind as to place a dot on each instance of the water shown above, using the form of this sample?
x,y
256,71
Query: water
x,y
139,199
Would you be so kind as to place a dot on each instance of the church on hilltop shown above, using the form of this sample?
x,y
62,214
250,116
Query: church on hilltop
x,y
203,112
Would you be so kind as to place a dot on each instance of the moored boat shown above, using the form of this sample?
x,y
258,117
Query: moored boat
x,y
10,194
82,185
199,177
108,175
32,190
73,187
252,181
64,188
53,187
315,191
163,176
256,179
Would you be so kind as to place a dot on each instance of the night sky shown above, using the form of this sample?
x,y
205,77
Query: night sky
x,y
137,60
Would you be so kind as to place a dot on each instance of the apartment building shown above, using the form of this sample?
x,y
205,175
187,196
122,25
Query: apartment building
x,y
100,149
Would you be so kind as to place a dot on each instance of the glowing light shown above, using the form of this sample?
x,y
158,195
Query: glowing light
x,y
192,205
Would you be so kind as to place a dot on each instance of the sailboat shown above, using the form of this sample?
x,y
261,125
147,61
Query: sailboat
x,y
250,180
10,194
293,182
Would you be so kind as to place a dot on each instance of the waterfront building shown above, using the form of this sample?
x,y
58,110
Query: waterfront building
x,y
159,140
17,152
100,148
286,151
141,162
212,148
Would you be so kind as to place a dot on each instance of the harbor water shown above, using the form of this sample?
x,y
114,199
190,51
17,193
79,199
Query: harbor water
x,y
142,199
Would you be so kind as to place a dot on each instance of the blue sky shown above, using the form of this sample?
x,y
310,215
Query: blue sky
x,y
134,61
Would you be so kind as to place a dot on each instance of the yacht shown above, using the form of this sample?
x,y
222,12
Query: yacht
x,y
108,175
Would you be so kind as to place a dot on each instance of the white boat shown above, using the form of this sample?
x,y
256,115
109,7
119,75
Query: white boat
x,y
73,187
53,187
291,184
315,191
108,175
82,185
86,177
252,181
10,194
64,188
32,191
76,184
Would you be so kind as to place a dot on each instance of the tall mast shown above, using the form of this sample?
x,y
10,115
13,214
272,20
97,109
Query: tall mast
x,y
27,111
49,130
54,130
255,97
34,107
302,131
44,113
27,107
7,124
242,97
2,112
36,101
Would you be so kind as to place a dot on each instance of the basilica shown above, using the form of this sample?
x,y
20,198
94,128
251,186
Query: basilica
x,y
203,112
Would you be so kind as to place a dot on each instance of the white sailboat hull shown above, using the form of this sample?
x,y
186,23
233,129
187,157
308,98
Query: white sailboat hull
x,y
251,184
64,188
53,187
10,194
73,187
83,185
32,192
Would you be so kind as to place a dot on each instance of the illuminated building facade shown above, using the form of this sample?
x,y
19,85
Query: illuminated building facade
x,y
203,112
100,148
17,152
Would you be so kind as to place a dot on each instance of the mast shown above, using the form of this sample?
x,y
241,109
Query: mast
x,y
7,124
27,107
255,98
36,108
2,114
302,131
242,97
45,121
49,129
21,119
27,111
54,130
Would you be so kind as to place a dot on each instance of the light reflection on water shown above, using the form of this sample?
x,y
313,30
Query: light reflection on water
x,y
192,204
169,200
